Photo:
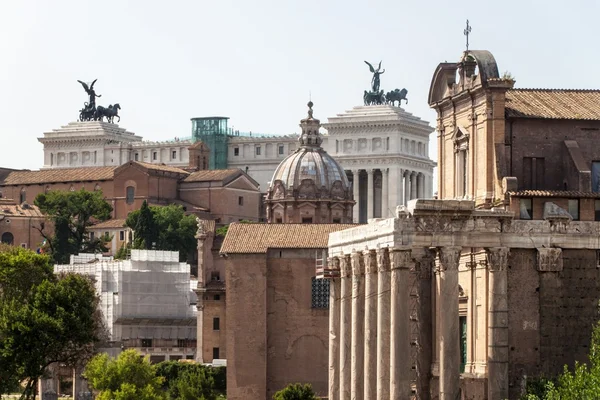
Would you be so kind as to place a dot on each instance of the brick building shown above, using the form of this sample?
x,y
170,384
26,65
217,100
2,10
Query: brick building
x,y
276,311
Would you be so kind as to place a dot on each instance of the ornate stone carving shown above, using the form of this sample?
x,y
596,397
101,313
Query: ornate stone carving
x,y
449,258
402,212
383,260
550,259
202,230
279,192
370,261
497,258
434,223
400,258
358,265
345,266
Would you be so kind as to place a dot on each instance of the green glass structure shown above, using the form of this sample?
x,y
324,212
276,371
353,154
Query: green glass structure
x,y
214,133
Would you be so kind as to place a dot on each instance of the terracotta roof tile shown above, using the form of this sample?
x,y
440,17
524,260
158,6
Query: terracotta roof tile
x,y
161,167
554,193
14,211
59,175
258,238
109,224
212,175
553,104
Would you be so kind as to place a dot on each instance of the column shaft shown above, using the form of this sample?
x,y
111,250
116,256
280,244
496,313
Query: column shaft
x,y
400,362
345,327
370,378
334,334
358,327
423,267
413,185
356,194
383,324
385,209
406,187
399,190
497,323
370,192
449,330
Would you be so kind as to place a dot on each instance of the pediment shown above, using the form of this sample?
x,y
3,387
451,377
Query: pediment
x,y
242,182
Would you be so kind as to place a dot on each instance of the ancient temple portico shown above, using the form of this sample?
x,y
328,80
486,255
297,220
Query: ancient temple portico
x,y
385,153
444,300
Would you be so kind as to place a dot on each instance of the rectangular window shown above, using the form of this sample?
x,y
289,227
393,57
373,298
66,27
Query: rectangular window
x,y
526,208
214,276
337,220
533,173
216,323
236,151
217,297
215,353
181,342
574,208
154,156
597,210
279,220
258,150
240,201
174,154
281,149
130,194
146,342
136,156
121,235
320,293
462,323
307,220
596,177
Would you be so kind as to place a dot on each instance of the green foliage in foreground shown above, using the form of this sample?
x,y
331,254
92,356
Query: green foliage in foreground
x,y
296,391
190,381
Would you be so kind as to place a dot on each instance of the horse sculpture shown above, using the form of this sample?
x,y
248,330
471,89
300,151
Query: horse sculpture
x,y
110,113
372,98
396,95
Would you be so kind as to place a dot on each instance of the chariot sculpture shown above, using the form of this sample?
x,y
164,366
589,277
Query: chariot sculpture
x,y
90,112
376,96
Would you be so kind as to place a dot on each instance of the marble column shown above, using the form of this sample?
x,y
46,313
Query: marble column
x,y
385,209
345,326
370,192
420,185
449,334
356,194
406,187
413,185
399,190
370,373
497,355
358,326
383,324
334,333
424,259
400,361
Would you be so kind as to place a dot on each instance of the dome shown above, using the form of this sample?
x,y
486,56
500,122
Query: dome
x,y
309,185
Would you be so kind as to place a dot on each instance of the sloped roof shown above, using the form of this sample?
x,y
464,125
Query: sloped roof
x,y
59,175
554,193
258,238
160,167
553,104
213,175
109,224
14,210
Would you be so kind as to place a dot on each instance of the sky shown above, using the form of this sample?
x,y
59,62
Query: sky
x,y
257,61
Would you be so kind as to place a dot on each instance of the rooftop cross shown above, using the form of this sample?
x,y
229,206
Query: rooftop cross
x,y
466,32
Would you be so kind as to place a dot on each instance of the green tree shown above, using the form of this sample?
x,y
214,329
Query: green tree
x,y
296,391
185,381
128,377
44,318
72,213
222,231
167,226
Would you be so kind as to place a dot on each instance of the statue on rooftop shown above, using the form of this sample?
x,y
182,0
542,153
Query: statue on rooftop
x,y
90,112
376,73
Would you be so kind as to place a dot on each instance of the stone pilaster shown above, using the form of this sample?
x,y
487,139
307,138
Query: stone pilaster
x,y
345,326
406,187
413,185
424,261
400,362
370,333
383,324
449,335
497,261
358,327
356,194
370,192
334,333
385,208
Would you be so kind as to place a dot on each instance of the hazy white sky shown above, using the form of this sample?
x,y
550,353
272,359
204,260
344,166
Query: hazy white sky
x,y
256,61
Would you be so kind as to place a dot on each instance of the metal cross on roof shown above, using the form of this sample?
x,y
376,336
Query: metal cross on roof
x,y
466,32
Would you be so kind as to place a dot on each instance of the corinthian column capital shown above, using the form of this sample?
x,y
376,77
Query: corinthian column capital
x,y
449,258
497,258
345,266
400,259
358,265
424,259
383,260
370,260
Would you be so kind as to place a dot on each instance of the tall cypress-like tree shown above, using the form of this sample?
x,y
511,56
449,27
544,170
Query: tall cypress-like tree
x,y
145,229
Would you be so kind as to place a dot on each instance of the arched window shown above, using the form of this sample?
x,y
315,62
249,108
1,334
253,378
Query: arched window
x,y
8,238
23,196
130,194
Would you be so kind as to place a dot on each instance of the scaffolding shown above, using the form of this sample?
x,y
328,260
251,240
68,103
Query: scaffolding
x,y
214,133
147,296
